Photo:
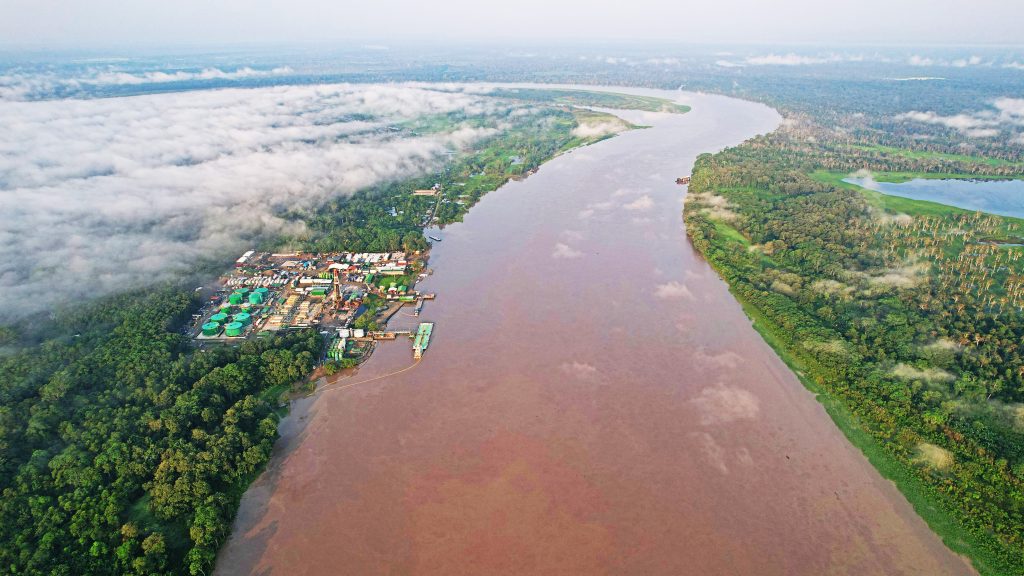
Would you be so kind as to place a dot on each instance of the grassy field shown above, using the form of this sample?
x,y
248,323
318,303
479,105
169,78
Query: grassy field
x,y
730,233
926,155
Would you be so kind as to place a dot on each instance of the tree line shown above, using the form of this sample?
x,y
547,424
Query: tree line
x,y
912,320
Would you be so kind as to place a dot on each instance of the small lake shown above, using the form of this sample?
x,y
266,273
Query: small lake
x,y
1004,197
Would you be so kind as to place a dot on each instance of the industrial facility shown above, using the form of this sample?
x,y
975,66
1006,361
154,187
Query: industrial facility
x,y
268,292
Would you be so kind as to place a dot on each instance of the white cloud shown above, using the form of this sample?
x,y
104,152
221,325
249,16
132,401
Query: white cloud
x,y
596,129
790,59
573,235
594,208
581,370
97,196
1010,108
721,404
21,86
712,450
156,77
1005,113
793,59
962,122
564,251
623,192
982,132
673,291
641,204
965,62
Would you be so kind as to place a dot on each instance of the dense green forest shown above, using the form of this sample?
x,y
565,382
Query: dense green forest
x,y
124,450
906,316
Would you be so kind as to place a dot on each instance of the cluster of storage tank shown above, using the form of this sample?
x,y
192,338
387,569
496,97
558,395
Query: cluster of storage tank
x,y
257,296
234,325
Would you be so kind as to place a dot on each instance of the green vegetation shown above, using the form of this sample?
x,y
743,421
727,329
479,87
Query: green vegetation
x,y
593,98
931,155
906,317
124,450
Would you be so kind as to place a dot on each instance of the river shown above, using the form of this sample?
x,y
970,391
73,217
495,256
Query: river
x,y
593,401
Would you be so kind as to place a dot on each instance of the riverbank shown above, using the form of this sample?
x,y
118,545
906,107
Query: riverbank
x,y
869,298
953,534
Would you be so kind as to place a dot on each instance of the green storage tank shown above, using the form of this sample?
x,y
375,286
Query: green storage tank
x,y
242,291
262,290
235,298
318,292
256,298
243,318
211,329
219,318
234,329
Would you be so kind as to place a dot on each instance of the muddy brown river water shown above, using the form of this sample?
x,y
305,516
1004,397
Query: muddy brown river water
x,y
593,401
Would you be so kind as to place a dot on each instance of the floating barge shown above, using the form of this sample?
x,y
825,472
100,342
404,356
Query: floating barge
x,y
683,180
422,339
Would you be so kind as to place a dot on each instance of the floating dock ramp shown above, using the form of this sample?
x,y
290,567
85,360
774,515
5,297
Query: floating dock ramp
x,y
422,339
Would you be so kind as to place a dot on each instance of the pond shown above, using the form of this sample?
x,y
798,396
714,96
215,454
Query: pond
x,y
1003,197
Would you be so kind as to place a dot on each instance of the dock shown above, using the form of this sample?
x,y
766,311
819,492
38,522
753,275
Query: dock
x,y
385,335
422,339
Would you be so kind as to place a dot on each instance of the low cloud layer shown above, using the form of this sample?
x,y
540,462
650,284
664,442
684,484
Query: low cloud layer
x,y
98,196
1004,114
25,85
917,60
792,59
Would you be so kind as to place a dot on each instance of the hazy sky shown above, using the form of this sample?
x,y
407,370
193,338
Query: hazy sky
x,y
87,23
